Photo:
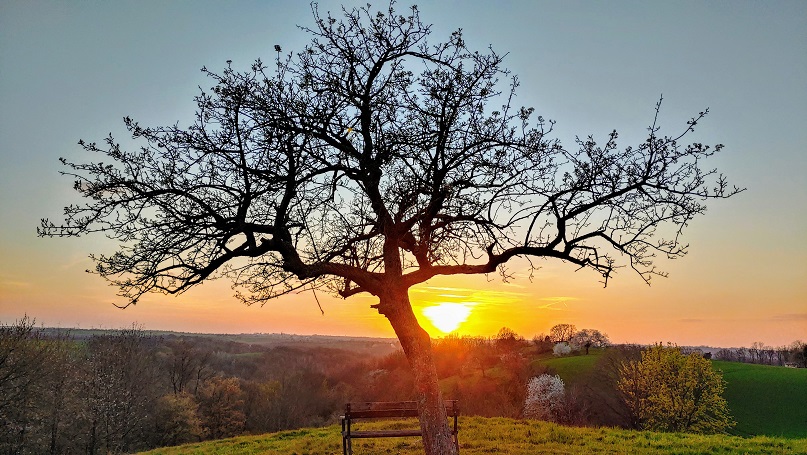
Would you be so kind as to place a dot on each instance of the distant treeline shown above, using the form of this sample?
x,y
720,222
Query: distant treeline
x,y
794,355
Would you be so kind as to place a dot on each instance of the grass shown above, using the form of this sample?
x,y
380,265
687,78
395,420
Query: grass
x,y
765,399
570,368
480,436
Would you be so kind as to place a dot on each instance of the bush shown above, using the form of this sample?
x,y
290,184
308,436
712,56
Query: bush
x,y
177,420
669,391
546,398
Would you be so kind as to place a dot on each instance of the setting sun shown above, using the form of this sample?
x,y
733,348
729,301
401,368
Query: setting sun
x,y
447,316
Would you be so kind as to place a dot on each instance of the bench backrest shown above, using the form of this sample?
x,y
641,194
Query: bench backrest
x,y
387,409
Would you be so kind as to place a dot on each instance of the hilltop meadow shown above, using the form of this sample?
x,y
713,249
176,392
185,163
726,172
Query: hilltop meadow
x,y
480,435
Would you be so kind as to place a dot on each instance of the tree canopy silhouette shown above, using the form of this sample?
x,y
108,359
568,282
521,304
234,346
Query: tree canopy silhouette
x,y
369,162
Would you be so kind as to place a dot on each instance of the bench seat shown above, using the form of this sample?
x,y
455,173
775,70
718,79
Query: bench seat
x,y
384,433
387,410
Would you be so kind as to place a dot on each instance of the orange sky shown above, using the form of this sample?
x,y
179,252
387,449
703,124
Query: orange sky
x,y
684,309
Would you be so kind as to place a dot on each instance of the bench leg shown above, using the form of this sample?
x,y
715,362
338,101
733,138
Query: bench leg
x,y
347,442
456,432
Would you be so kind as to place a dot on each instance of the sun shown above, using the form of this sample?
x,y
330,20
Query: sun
x,y
447,316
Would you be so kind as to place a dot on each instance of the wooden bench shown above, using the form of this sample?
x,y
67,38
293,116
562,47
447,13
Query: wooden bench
x,y
386,410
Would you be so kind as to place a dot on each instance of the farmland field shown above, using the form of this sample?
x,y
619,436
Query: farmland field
x,y
766,399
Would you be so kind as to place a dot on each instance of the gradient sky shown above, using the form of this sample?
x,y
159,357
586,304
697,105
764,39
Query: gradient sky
x,y
71,70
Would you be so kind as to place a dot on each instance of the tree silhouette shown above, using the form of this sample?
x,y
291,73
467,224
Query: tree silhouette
x,y
560,333
370,162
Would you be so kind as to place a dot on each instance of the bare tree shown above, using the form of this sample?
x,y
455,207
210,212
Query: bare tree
x,y
508,341
118,385
371,162
185,363
756,351
781,354
798,353
560,333
34,371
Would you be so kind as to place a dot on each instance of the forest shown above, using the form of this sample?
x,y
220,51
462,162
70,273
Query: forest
x,y
128,390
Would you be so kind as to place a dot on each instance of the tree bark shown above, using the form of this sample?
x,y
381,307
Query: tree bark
x,y
416,344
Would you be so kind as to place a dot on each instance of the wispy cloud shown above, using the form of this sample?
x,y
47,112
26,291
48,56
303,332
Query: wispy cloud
x,y
431,295
553,302
790,317
452,296
558,299
76,261
435,288
548,306
10,281
15,284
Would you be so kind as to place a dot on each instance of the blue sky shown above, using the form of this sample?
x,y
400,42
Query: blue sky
x,y
72,70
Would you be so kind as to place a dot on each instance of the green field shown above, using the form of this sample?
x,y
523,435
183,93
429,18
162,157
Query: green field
x,y
480,435
570,368
765,399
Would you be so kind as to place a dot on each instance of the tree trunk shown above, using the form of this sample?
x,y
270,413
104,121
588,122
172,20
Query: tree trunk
x,y
416,344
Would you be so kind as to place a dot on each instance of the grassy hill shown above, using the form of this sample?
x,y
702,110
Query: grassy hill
x,y
498,435
765,400
570,368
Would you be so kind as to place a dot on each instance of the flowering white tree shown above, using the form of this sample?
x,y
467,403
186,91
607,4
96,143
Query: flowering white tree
x,y
588,338
561,349
546,398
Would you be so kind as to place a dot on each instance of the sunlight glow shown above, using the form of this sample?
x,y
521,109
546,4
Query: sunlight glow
x,y
447,316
